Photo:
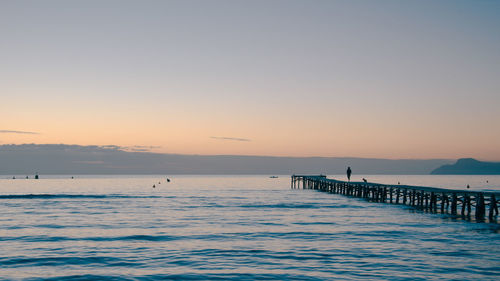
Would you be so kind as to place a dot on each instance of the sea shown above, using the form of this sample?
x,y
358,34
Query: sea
x,y
216,227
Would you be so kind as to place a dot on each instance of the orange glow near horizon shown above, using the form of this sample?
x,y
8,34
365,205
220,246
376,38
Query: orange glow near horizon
x,y
273,132
314,140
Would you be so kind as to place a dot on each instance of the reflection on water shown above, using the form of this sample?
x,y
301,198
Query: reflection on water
x,y
229,227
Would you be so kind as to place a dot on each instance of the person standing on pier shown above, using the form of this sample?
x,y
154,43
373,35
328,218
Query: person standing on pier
x,y
349,172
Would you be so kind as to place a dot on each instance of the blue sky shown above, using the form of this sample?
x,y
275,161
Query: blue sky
x,y
391,79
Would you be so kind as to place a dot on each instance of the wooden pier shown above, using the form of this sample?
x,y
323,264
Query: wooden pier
x,y
435,200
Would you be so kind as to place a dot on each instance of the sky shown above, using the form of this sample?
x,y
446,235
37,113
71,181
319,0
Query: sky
x,y
382,79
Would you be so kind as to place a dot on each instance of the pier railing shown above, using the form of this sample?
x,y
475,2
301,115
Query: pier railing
x,y
431,199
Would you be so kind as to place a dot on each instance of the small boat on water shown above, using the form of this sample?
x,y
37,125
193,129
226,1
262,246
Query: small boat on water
x,y
273,177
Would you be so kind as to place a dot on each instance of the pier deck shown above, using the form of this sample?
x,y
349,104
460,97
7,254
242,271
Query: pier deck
x,y
431,199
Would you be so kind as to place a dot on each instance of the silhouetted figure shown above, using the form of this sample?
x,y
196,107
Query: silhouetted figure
x,y
36,176
487,181
13,177
154,186
72,177
468,186
168,180
398,182
365,180
27,177
349,172
159,182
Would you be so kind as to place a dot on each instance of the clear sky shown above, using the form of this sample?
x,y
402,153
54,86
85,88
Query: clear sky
x,y
387,79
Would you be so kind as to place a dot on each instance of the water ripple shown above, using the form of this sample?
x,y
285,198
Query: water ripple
x,y
227,228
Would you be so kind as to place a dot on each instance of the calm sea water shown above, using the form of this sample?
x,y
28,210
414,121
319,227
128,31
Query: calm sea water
x,y
233,227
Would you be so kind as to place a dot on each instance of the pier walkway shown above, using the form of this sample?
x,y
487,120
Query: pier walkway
x,y
431,199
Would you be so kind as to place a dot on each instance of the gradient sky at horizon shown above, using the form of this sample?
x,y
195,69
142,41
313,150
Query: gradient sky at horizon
x,y
386,79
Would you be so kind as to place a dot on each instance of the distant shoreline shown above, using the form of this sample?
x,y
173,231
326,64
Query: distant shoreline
x,y
469,166
74,159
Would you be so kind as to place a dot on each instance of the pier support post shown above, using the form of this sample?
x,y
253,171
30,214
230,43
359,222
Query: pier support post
x,y
480,208
467,202
442,202
433,202
427,201
454,204
463,206
420,200
493,207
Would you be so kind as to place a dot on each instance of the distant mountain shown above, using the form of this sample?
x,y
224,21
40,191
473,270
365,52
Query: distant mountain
x,y
469,166
27,159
